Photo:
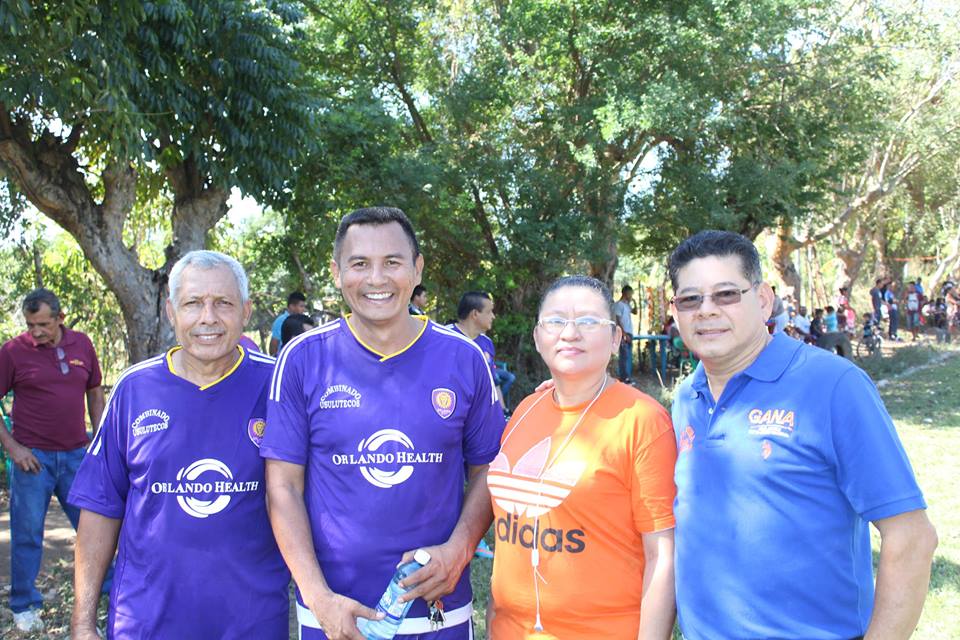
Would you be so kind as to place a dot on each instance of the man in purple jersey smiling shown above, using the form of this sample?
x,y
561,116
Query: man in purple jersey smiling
x,y
175,474
373,419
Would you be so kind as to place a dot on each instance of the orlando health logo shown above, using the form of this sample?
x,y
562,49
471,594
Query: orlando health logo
x,y
532,490
387,458
202,497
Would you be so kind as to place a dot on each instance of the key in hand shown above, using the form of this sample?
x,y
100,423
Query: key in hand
x,y
436,615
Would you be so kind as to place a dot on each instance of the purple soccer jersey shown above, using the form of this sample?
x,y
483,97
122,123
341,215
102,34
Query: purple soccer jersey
x,y
484,342
385,441
180,465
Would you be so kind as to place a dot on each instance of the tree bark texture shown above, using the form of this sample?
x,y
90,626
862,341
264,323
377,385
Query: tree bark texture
x,y
46,171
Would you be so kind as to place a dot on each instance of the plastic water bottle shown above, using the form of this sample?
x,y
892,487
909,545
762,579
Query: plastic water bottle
x,y
394,610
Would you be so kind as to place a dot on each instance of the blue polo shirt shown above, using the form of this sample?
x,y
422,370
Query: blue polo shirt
x,y
776,484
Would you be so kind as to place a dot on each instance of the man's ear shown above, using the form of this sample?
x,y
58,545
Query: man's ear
x,y
765,294
335,271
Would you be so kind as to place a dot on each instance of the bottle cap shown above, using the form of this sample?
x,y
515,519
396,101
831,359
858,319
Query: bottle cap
x,y
421,556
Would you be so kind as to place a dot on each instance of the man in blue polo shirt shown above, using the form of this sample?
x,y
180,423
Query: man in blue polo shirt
x,y
175,474
786,454
373,419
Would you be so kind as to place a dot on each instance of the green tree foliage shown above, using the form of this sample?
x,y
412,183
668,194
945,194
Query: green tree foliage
x,y
514,131
110,106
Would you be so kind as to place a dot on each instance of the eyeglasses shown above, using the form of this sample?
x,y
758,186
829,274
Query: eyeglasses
x,y
61,359
554,325
720,298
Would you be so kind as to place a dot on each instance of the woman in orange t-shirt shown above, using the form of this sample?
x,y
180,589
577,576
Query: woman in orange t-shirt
x,y
583,490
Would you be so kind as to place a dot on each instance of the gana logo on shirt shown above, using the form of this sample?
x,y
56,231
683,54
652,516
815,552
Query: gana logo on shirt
x,y
150,421
771,422
387,458
340,396
204,487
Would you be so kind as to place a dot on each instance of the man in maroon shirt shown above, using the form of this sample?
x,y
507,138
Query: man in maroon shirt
x,y
51,370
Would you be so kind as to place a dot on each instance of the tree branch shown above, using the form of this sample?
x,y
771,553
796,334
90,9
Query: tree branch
x,y
480,216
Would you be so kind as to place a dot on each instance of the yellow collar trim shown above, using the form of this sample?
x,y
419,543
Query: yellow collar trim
x,y
384,356
218,380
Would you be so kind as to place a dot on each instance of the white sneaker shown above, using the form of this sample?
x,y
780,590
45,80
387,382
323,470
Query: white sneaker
x,y
28,620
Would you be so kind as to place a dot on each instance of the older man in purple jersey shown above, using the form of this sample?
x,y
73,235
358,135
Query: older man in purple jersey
x,y
372,420
175,474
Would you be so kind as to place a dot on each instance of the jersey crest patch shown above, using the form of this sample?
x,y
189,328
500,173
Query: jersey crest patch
x,y
444,402
255,429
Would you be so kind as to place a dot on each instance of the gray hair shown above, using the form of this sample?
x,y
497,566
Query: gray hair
x,y
203,259
37,297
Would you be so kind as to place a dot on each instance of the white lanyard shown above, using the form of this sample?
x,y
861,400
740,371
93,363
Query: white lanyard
x,y
535,552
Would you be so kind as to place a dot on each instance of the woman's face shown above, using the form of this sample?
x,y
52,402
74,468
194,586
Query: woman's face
x,y
575,351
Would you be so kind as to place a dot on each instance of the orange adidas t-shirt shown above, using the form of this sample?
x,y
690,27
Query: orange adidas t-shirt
x,y
612,481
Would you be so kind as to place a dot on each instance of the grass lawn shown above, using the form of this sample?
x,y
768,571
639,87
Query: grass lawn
x,y
925,405
926,408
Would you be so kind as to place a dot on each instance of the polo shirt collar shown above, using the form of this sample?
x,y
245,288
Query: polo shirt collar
x,y
768,366
67,338
774,359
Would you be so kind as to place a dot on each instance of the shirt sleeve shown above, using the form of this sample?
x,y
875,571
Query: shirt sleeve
x,y
103,480
6,371
276,327
485,422
96,376
652,488
287,434
865,440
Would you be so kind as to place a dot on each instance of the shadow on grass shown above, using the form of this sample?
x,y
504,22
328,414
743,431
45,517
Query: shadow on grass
x,y
945,574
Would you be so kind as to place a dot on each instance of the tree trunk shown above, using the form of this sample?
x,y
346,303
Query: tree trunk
x,y
947,265
851,255
816,276
46,171
783,261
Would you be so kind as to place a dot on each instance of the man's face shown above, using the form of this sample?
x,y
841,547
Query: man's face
x,y
485,316
628,295
377,273
44,326
297,307
716,333
208,315
420,300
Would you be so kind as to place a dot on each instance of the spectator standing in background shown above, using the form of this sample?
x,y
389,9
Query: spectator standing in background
x,y
51,370
418,301
623,315
296,303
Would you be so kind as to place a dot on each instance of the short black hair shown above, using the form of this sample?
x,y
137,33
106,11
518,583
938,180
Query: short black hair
x,y
586,282
296,296
714,243
471,301
626,289
293,325
375,216
830,308
37,297
417,290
